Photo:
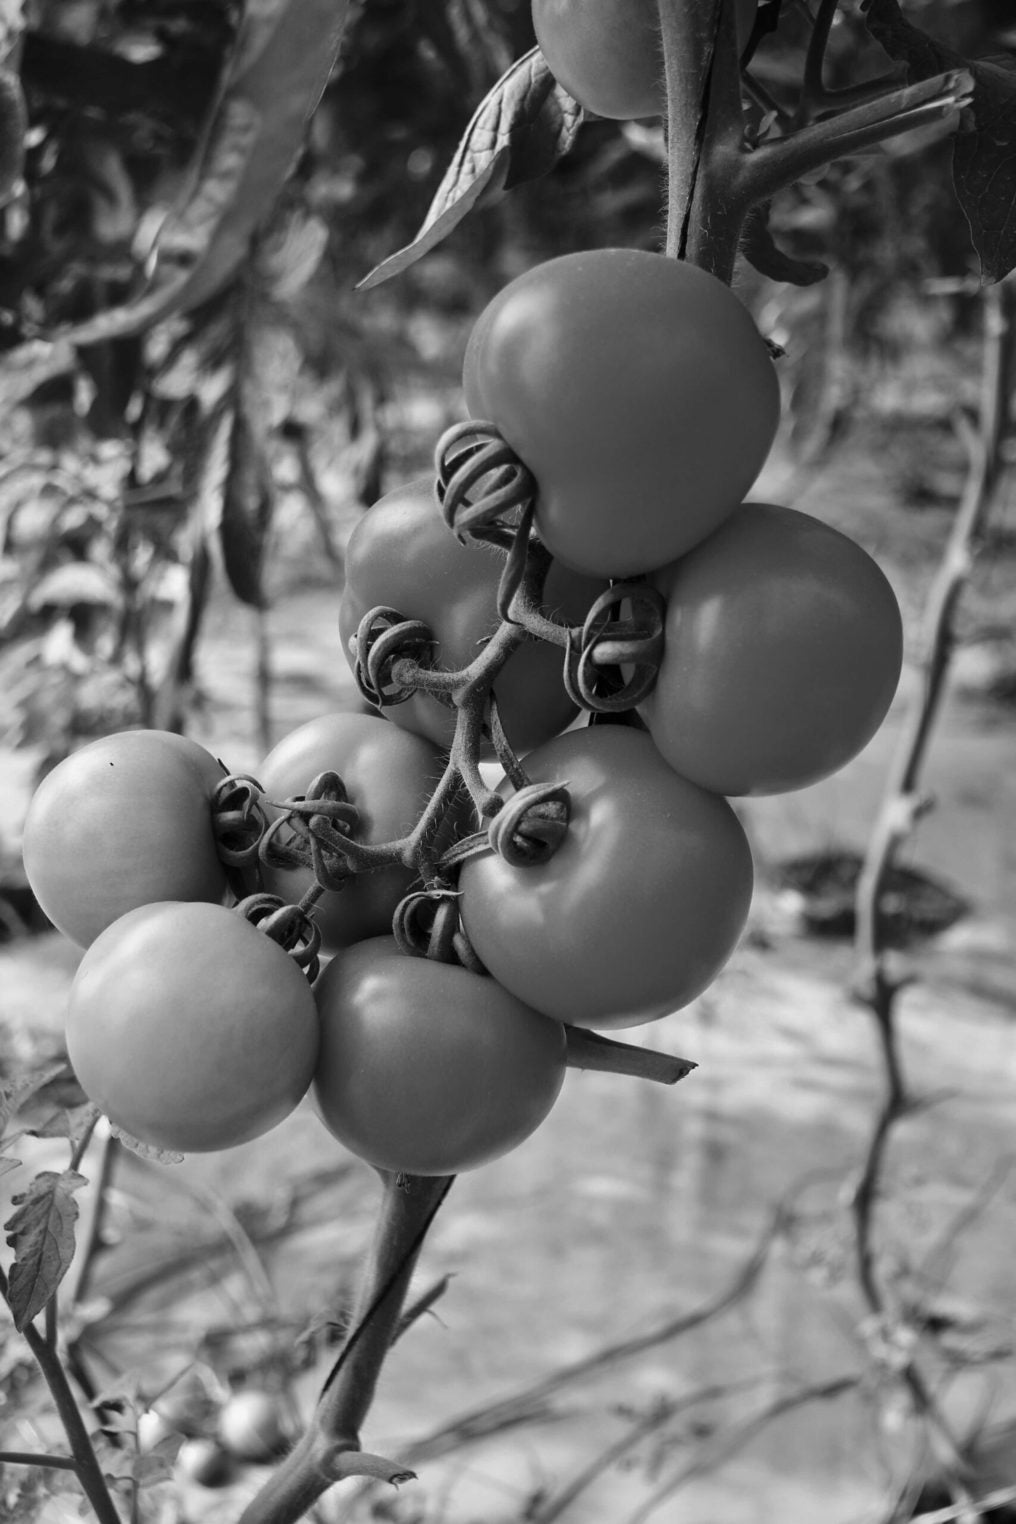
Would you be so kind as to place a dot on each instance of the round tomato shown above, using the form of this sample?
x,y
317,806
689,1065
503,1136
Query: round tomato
x,y
190,1028
403,555
426,1068
251,1426
389,776
123,822
640,906
638,392
607,55
782,650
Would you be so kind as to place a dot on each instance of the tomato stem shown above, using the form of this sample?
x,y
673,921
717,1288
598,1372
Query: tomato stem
x,y
330,1449
705,211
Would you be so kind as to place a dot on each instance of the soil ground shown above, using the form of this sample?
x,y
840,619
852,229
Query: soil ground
x,y
633,1206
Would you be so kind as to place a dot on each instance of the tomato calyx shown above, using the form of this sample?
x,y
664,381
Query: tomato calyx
x,y
384,638
291,926
426,924
238,820
531,825
610,641
317,830
482,486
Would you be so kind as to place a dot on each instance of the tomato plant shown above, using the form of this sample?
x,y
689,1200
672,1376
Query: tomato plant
x,y
190,1028
639,907
607,55
123,822
389,775
427,1068
783,648
402,554
638,392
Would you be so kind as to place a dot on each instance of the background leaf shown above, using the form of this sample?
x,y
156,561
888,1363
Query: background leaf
x,y
984,149
246,509
277,76
41,1233
518,132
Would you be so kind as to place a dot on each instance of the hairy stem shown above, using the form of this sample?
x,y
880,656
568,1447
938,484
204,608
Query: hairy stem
x,y
705,211
84,1460
330,1449
775,165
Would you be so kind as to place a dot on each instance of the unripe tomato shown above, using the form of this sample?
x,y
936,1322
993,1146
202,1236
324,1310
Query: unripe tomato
x,y
190,1028
640,906
251,1427
638,392
425,1067
607,53
204,1462
783,646
403,555
389,776
123,822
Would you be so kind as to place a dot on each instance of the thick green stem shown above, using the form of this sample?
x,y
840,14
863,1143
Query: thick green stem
x,y
330,1450
705,211
84,1460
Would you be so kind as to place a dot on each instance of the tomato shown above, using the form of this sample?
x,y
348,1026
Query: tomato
x,y
123,822
190,1028
782,650
426,1068
389,776
639,907
403,555
251,1427
607,54
204,1462
638,392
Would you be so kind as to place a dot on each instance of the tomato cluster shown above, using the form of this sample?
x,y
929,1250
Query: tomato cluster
x,y
587,544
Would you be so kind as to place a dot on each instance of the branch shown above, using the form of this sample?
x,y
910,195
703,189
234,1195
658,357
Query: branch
x,y
901,798
85,1462
773,166
330,1450
899,811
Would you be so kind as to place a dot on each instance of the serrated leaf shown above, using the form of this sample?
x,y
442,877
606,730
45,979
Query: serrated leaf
x,y
17,1092
762,251
8,1165
41,1233
984,149
57,1108
517,133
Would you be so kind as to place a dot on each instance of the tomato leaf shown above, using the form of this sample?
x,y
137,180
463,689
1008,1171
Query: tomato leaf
x,y
518,132
41,1233
984,149
17,1092
247,503
283,59
761,250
